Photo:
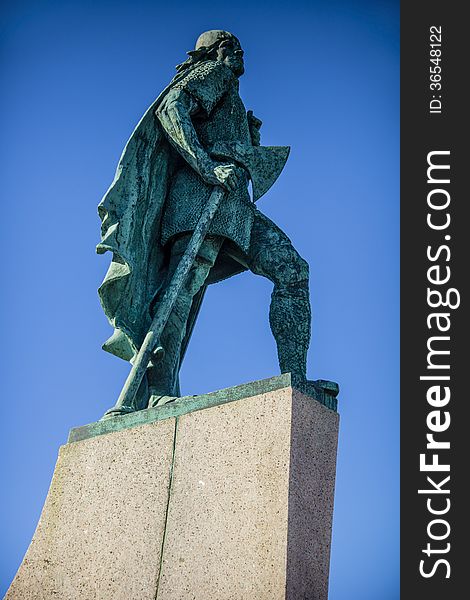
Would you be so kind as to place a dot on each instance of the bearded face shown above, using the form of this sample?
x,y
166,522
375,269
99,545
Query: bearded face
x,y
231,53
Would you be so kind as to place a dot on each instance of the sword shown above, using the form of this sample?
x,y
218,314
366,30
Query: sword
x,y
264,165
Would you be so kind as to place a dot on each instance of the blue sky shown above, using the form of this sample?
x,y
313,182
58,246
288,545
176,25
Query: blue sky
x,y
324,78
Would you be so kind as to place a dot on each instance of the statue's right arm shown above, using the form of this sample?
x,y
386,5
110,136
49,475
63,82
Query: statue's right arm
x,y
174,114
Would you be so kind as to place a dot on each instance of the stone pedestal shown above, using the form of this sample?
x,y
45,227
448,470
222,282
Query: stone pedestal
x,y
222,496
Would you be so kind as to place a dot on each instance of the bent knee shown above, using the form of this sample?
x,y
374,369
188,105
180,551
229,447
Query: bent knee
x,y
303,269
295,271
284,266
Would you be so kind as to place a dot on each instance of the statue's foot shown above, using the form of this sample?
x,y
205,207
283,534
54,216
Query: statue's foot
x,y
322,390
159,400
117,411
329,387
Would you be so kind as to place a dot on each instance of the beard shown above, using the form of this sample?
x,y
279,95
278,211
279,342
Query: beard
x,y
236,65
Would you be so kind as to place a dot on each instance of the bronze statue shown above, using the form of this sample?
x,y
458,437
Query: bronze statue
x,y
178,217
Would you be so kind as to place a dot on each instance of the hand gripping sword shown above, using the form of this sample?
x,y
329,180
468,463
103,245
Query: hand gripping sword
x,y
264,165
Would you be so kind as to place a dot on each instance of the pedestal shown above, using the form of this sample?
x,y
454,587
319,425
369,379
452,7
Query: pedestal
x,y
223,496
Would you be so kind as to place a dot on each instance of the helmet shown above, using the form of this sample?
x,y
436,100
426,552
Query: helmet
x,y
208,38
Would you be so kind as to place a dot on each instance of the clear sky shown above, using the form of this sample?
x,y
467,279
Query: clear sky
x,y
324,77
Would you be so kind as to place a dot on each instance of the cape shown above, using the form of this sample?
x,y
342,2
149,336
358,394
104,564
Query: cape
x,y
131,212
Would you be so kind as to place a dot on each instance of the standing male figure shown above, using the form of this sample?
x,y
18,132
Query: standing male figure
x,y
164,179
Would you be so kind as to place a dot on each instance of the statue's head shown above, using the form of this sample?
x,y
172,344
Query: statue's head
x,y
217,44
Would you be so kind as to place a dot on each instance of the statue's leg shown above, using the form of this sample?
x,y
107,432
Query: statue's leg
x,y
162,376
272,255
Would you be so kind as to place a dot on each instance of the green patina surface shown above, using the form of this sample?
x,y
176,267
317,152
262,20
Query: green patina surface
x,y
195,140
188,404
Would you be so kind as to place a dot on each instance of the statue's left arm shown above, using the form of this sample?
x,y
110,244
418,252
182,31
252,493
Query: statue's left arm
x,y
199,93
174,114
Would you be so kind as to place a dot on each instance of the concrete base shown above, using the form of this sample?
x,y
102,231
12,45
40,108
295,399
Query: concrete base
x,y
229,497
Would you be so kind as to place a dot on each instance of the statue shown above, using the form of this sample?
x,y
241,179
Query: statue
x,y
178,217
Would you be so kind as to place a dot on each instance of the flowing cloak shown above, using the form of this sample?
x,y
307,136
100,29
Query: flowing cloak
x,y
131,213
